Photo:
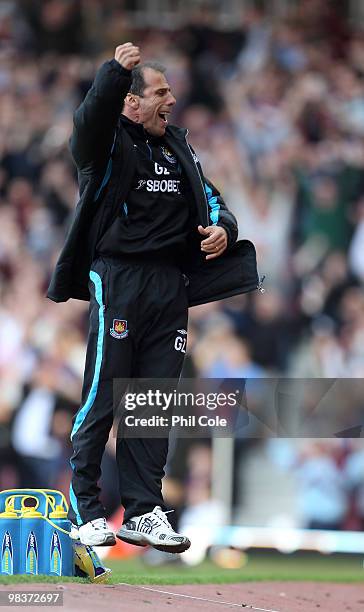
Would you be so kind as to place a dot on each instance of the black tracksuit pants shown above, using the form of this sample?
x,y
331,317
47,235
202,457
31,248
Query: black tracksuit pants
x,y
136,308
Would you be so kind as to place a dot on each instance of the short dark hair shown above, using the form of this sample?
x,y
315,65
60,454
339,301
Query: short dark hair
x,y
138,83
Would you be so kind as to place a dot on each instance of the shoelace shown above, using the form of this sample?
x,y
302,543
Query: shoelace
x,y
160,519
99,523
161,514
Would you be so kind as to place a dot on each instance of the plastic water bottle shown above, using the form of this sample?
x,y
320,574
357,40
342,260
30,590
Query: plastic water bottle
x,y
58,544
32,537
9,539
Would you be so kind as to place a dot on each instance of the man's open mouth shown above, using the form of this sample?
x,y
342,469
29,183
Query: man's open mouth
x,y
163,116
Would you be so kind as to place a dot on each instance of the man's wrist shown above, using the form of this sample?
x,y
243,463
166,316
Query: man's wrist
x,y
124,71
229,237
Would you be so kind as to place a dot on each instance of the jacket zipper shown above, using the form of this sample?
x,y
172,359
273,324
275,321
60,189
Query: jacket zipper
x,y
106,285
199,176
260,284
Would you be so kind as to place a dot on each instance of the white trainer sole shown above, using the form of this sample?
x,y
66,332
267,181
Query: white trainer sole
x,y
98,540
143,539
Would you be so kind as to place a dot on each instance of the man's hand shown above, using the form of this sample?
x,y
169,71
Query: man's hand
x,y
128,55
216,242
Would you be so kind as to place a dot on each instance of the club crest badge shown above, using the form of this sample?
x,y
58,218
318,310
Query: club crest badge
x,y
119,329
172,159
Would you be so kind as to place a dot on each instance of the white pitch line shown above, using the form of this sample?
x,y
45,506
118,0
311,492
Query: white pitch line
x,y
216,601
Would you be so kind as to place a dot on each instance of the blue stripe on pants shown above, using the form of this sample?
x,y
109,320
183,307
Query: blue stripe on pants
x,y
83,412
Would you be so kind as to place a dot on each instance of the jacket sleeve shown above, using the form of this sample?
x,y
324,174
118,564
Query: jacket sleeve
x,y
96,118
219,212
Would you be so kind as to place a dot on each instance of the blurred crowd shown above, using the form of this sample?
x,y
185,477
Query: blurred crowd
x,y
275,111
329,481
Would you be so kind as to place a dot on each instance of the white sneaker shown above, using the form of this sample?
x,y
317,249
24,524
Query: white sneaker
x,y
153,528
96,533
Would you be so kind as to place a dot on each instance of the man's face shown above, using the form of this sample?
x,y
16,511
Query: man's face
x,y
156,104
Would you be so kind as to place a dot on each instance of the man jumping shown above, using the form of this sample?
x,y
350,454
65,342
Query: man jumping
x,y
151,236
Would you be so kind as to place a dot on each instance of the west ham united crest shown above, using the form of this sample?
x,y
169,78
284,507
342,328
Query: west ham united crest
x,y
119,329
169,155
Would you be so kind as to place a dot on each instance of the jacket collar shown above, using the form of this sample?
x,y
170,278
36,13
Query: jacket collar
x,y
176,132
136,130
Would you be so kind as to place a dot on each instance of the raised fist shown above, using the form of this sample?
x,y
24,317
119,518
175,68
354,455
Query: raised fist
x,y
127,55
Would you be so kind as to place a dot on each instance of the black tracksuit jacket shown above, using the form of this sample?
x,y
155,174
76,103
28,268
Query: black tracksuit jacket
x,y
106,160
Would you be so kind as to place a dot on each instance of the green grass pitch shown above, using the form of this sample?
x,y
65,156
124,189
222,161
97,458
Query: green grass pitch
x,y
260,566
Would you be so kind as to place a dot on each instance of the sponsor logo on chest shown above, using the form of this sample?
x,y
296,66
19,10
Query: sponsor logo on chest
x,y
163,185
159,185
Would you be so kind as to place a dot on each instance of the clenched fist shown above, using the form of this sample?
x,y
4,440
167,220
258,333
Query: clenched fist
x,y
128,55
